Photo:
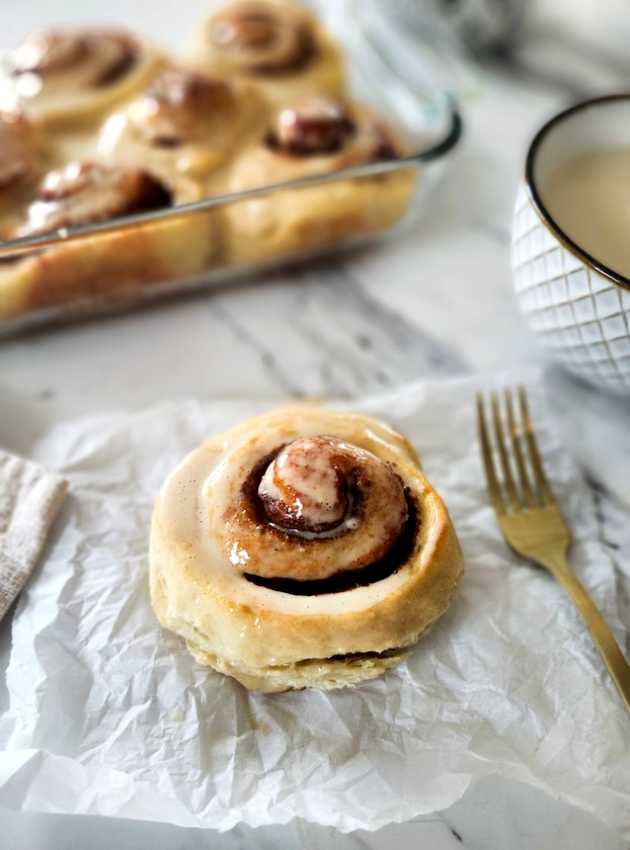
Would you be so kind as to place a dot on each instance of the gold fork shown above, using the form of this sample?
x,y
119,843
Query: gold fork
x,y
531,521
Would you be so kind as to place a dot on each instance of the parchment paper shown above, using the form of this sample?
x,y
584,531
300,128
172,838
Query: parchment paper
x,y
111,716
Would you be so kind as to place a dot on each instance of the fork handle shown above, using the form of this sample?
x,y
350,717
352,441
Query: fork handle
x,y
604,639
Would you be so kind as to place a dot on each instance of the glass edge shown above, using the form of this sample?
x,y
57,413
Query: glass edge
x,y
89,307
437,150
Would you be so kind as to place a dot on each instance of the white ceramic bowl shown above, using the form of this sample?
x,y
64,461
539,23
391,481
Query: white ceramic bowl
x,y
578,307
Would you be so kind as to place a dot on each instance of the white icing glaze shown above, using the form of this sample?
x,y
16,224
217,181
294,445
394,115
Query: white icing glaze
x,y
350,523
304,477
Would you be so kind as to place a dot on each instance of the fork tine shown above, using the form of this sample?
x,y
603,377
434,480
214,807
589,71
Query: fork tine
x,y
534,454
523,477
499,439
488,463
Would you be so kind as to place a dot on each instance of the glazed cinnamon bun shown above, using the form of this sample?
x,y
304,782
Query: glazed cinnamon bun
x,y
316,135
63,76
277,43
104,266
183,124
303,548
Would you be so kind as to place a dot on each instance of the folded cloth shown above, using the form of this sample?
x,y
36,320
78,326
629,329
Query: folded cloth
x,y
30,498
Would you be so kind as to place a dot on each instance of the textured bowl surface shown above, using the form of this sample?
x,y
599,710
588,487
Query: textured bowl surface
x,y
581,316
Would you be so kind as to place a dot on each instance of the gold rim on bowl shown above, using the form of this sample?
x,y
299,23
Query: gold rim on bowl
x,y
541,209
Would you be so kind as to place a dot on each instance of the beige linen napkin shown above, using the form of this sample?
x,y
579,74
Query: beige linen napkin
x,y
30,498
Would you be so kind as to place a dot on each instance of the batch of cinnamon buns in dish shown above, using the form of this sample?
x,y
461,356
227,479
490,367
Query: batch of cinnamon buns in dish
x,y
98,123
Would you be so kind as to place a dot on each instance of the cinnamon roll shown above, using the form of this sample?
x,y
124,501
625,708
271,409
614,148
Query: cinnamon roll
x,y
316,135
277,43
104,266
62,76
302,548
185,123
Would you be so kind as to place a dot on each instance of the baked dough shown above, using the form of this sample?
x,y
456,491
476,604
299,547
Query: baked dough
x,y
302,548
277,43
314,136
263,104
65,77
184,124
103,267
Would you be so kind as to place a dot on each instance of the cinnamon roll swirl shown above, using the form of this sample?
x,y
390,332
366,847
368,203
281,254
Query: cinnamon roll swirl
x,y
103,267
183,124
61,76
303,548
87,192
277,43
313,136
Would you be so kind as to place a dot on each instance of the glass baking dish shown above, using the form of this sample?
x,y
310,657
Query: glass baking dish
x,y
414,100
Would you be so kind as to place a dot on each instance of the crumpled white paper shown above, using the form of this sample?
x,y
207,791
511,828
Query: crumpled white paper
x,y
109,715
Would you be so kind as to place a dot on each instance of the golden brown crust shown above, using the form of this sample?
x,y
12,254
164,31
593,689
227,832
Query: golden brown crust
x,y
262,635
276,43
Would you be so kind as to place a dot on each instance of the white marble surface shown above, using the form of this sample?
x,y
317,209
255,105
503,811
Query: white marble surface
x,y
435,303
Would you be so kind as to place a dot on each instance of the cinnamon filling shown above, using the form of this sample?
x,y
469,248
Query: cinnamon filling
x,y
266,40
317,126
185,90
47,52
87,192
385,146
304,53
361,656
120,67
312,493
178,103
395,557
166,141
104,57
244,28
313,126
